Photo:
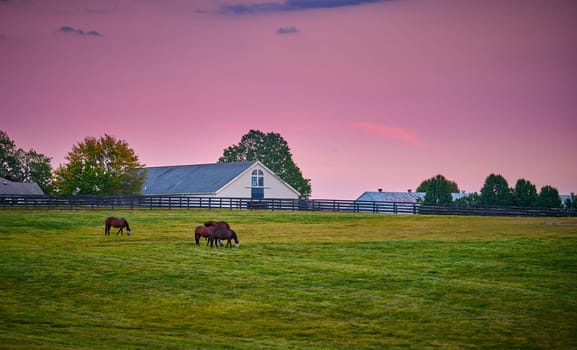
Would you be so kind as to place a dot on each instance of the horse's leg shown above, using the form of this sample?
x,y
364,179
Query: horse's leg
x,y
197,238
120,231
228,243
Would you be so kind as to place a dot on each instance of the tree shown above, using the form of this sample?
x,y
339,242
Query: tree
x,y
24,166
549,197
453,187
273,151
495,191
8,155
438,190
35,167
525,193
100,166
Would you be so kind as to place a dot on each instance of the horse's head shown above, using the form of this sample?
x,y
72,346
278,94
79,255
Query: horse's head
x,y
127,226
235,237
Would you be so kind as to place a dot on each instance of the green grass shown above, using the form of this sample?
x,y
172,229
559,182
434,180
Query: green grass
x,y
299,280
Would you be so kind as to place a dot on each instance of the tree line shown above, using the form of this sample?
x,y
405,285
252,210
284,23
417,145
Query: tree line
x,y
494,193
107,166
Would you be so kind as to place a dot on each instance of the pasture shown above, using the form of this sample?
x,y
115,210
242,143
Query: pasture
x,y
299,280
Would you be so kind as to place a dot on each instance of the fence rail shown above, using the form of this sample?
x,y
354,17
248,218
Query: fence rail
x,y
186,202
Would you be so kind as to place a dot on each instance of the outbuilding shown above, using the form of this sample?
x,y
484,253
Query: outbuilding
x,y
8,187
399,197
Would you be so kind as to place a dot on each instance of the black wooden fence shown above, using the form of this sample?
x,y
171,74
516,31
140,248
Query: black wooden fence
x,y
186,202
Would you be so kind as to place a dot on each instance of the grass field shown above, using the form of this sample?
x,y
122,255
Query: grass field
x,y
300,280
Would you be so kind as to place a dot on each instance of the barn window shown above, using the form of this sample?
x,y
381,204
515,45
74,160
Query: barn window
x,y
257,184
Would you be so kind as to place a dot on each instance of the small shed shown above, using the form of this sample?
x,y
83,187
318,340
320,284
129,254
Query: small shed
x,y
8,187
399,197
220,180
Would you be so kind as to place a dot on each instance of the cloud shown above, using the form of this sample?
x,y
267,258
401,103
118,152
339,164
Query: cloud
x,y
102,10
287,30
69,29
389,131
291,5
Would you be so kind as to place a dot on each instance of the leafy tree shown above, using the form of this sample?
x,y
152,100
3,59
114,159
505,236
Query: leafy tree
x,y
438,190
549,197
273,151
24,166
8,155
100,166
453,187
496,191
525,193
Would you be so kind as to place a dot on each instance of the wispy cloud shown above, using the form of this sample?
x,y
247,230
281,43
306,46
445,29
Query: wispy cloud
x,y
287,30
77,31
388,131
291,5
102,10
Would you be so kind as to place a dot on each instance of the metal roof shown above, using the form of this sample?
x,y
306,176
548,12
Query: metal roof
x,y
192,179
24,188
400,197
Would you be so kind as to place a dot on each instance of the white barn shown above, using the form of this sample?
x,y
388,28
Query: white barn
x,y
219,180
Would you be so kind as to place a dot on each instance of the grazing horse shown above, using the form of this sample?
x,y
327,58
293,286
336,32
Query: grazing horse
x,y
223,234
221,224
121,223
202,231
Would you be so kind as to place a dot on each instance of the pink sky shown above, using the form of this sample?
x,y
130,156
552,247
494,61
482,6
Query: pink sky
x,y
377,95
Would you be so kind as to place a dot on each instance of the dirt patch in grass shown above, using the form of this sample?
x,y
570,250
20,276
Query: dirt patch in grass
x,y
572,222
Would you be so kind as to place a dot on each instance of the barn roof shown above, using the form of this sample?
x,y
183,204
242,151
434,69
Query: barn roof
x,y
16,188
399,197
192,179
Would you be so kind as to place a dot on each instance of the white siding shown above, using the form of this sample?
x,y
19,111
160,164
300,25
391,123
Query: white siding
x,y
274,187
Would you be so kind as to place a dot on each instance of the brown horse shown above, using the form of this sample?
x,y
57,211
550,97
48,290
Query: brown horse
x,y
219,233
121,223
202,231
221,224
